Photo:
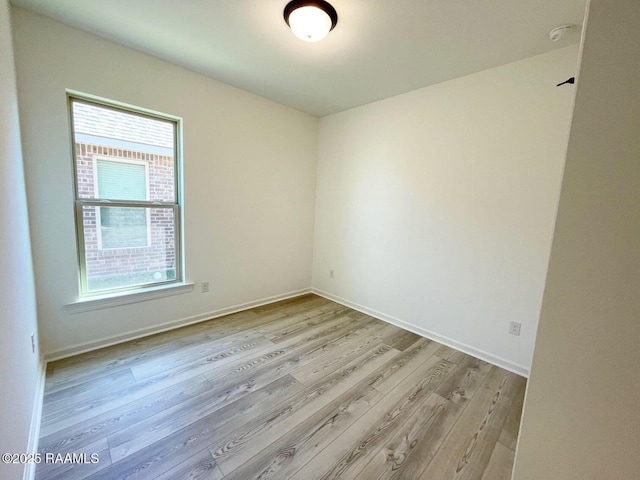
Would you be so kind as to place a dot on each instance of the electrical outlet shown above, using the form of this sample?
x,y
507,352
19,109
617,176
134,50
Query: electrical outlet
x,y
331,274
33,343
514,328
204,288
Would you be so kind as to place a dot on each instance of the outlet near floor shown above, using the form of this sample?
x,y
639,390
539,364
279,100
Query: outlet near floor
x,y
204,287
514,328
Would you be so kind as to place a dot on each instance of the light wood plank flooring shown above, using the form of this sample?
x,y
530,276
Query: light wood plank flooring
x,y
302,389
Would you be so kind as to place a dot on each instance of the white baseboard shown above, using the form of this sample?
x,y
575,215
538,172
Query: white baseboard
x,y
468,349
36,417
144,332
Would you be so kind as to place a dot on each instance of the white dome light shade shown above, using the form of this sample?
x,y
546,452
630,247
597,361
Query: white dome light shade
x,y
309,23
310,20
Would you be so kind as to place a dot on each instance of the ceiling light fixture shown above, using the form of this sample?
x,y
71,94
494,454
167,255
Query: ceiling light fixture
x,y
310,20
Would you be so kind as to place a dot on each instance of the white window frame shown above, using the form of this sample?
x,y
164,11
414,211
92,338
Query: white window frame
x,y
129,161
176,206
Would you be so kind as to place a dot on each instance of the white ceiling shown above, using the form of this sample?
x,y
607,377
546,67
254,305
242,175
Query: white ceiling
x,y
378,49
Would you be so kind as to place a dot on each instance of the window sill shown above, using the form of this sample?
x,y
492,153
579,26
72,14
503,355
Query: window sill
x,y
106,301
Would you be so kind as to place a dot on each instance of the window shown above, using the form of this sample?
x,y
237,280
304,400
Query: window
x,y
121,227
128,212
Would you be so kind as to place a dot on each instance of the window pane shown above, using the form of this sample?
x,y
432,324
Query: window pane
x,y
123,227
121,181
126,266
103,134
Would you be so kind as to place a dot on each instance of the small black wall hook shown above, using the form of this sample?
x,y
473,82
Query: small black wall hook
x,y
572,80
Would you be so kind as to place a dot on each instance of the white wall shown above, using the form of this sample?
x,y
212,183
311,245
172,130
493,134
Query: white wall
x,y
582,411
435,208
20,373
249,169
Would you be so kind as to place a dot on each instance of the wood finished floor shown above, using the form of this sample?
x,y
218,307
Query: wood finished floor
x,y
303,389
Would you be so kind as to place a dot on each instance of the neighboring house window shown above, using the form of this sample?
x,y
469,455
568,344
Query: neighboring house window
x,y
121,227
127,200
